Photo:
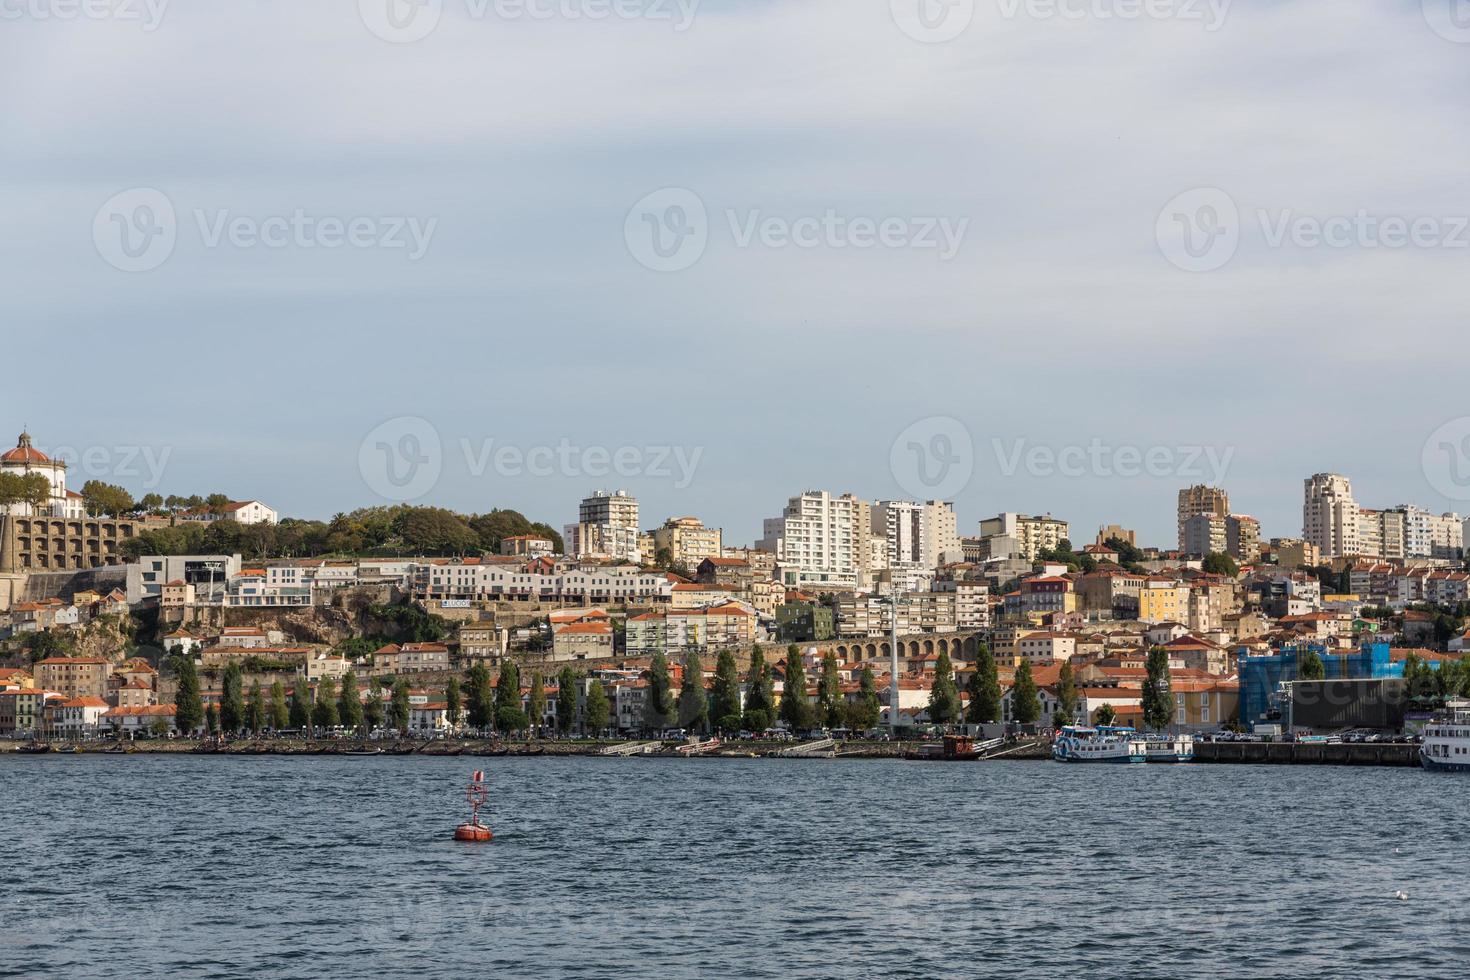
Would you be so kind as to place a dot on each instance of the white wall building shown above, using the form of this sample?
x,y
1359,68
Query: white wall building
x,y
820,540
1330,515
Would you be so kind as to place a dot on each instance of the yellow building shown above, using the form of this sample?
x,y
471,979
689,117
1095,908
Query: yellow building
x,y
1163,601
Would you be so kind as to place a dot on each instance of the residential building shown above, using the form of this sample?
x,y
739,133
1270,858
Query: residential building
x,y
1162,601
1199,500
607,527
527,546
687,541
821,541
1330,516
74,677
1243,537
1205,534
1021,535
587,640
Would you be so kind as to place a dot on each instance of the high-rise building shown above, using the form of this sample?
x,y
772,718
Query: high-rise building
x,y
607,527
1243,537
688,541
911,534
1205,534
1200,499
1330,515
1020,535
820,540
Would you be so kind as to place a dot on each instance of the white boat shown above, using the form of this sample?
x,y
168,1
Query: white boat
x,y
1106,743
1169,748
1446,745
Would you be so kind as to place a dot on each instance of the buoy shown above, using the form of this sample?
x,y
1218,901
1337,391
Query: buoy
x,y
473,830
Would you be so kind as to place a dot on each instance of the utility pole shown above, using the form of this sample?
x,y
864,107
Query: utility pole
x,y
893,669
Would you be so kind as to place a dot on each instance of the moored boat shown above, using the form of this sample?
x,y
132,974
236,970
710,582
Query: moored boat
x,y
1169,748
1446,745
1105,743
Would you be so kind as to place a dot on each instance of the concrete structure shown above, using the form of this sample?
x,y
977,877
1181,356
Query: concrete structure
x,y
821,541
1204,534
1021,535
74,677
1195,501
1330,516
688,541
527,545
607,527
1243,537
26,460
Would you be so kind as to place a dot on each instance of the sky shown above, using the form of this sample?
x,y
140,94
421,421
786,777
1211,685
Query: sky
x,y
1060,256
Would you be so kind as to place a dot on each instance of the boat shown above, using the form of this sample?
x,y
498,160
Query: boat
x,y
1446,746
362,751
1169,748
1105,743
67,749
35,747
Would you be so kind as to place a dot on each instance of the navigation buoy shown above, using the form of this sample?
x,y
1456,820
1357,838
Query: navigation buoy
x,y
476,794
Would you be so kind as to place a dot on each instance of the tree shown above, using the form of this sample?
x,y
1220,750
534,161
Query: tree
x,y
211,720
658,704
189,708
255,708
300,707
760,697
566,700
374,713
106,500
398,707
537,703
597,707
866,711
1067,699
1025,702
279,714
1158,699
727,693
1220,563
349,702
231,699
1105,714
944,697
984,689
1310,667
509,715
324,712
451,702
796,710
693,701
479,700
831,708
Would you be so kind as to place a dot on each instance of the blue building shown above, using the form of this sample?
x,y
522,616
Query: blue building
x,y
1262,677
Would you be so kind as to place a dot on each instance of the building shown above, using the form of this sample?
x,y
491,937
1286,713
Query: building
x,y
155,717
915,535
607,527
22,710
210,575
74,677
1330,519
1205,534
821,541
804,622
1262,678
44,543
583,640
76,717
1196,501
1243,537
527,545
26,460
1163,601
687,541
1019,535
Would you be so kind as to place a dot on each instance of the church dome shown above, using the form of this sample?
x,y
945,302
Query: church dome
x,y
24,452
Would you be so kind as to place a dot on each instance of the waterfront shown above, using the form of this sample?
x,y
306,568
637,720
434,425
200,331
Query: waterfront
x,y
275,866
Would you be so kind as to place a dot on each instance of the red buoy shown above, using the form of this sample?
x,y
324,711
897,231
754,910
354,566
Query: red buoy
x,y
474,830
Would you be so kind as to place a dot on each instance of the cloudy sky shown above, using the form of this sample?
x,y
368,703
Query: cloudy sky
x,y
1033,255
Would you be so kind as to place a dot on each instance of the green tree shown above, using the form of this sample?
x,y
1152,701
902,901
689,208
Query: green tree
x,y
727,693
760,696
509,715
693,701
658,704
106,500
866,710
480,698
232,699
831,707
597,708
1067,698
796,709
349,702
255,708
944,697
1158,698
536,703
374,712
1220,563
324,712
398,707
1025,701
189,708
1310,667
984,690
211,719
300,706
280,715
1105,715
566,700
451,702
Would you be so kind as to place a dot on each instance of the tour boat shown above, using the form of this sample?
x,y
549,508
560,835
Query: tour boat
x,y
1446,745
1105,743
1169,748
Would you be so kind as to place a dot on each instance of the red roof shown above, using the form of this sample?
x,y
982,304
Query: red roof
x,y
24,452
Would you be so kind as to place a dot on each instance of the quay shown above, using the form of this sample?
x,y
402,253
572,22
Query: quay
x,y
1309,753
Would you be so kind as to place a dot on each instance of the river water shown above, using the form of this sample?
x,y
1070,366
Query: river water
x,y
264,866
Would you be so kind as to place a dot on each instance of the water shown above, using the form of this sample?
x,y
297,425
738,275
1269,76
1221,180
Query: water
x,y
319,867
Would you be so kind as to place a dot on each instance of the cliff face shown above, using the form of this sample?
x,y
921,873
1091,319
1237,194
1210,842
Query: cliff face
x,y
347,617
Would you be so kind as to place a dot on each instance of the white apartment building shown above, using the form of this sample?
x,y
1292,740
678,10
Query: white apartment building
x,y
1024,535
500,582
607,527
821,540
1330,515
